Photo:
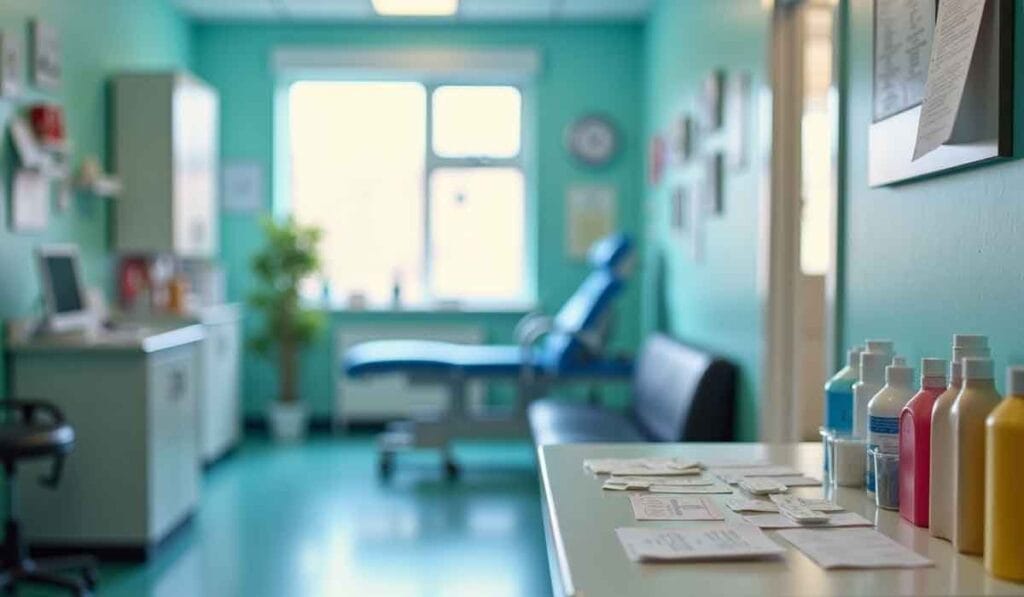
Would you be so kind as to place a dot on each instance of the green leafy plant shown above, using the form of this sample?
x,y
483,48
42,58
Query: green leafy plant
x,y
289,256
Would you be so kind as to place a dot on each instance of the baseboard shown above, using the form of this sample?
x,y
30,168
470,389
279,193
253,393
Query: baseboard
x,y
112,552
320,425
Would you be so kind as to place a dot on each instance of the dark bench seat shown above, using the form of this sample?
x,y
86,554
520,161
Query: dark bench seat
x,y
680,393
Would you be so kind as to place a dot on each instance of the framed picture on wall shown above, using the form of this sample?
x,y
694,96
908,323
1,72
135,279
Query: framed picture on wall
x,y
932,110
712,98
712,183
738,114
11,61
46,58
684,138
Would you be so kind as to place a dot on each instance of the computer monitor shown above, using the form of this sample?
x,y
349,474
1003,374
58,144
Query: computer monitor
x,y
64,294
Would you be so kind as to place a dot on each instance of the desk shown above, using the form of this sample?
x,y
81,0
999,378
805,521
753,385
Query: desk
x,y
587,559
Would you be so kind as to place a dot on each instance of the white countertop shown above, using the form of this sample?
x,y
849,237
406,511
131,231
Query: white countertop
x,y
590,562
145,339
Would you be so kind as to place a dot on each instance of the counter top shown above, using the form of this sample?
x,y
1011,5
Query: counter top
x,y
144,339
587,559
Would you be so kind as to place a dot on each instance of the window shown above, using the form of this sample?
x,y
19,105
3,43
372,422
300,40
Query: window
x,y
444,216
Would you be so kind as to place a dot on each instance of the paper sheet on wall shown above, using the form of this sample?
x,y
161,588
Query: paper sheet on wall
x,y
664,507
956,35
853,548
710,542
31,201
591,215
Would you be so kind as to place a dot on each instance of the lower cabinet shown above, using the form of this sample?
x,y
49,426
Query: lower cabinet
x,y
134,474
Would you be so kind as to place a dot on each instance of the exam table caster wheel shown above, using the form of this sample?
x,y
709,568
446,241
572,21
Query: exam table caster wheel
x,y
451,470
386,465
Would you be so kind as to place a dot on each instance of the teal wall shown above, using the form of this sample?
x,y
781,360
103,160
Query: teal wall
x,y
586,68
931,258
712,302
100,37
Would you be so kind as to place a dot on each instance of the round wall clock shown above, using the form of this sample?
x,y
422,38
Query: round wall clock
x,y
593,140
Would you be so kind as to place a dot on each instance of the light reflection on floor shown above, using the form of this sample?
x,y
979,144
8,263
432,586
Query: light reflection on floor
x,y
314,520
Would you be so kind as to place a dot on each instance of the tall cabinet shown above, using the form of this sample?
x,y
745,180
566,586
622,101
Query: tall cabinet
x,y
165,152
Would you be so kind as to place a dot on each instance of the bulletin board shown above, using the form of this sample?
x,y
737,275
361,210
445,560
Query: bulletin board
x,y
905,36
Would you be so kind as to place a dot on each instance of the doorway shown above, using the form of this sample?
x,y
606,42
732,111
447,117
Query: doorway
x,y
802,223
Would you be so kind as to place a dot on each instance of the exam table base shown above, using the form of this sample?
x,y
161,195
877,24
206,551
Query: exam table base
x,y
438,434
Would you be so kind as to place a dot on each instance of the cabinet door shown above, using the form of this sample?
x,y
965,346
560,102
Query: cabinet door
x,y
195,169
174,456
220,414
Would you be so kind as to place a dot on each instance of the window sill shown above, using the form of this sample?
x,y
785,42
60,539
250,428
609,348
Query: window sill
x,y
428,308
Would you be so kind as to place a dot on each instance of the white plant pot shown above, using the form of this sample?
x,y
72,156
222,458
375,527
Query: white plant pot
x,y
288,422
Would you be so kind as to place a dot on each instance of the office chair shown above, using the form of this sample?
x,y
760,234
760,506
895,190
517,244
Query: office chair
x,y
33,429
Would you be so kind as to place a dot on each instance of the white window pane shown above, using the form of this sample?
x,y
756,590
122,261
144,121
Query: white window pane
x,y
477,121
477,233
358,161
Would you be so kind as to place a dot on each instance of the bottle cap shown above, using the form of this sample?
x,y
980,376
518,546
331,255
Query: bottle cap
x,y
970,341
883,346
872,367
962,352
898,374
933,368
853,356
1015,381
978,368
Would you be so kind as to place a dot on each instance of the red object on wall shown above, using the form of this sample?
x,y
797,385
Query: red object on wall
x,y
48,124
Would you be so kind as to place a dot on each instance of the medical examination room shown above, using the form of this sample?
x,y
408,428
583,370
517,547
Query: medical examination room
x,y
511,298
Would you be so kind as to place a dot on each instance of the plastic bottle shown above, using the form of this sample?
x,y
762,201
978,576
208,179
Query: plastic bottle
x,y
915,442
872,377
1004,518
941,487
976,401
839,394
884,413
881,346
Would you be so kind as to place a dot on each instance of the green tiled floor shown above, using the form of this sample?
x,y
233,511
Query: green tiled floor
x,y
314,520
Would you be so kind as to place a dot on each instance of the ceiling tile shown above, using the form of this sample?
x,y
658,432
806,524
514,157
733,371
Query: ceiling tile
x,y
228,9
327,9
506,9
604,9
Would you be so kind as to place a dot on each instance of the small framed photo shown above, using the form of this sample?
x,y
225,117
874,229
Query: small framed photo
x,y
680,210
11,63
714,200
46,55
712,99
684,139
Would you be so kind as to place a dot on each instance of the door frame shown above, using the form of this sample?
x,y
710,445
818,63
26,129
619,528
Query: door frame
x,y
779,263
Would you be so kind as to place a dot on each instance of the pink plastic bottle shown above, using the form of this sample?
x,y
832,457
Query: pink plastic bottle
x,y
915,442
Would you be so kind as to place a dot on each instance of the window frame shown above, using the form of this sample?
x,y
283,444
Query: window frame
x,y
525,162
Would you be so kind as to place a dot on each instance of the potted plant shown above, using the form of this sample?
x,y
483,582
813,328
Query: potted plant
x,y
289,256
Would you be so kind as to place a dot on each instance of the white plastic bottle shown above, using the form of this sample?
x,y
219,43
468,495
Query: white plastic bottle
x,y
941,484
884,413
886,347
872,378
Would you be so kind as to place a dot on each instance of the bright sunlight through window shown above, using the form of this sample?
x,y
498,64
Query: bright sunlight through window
x,y
363,170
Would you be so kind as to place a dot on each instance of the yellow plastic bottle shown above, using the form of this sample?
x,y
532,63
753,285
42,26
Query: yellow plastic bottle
x,y
974,404
1004,517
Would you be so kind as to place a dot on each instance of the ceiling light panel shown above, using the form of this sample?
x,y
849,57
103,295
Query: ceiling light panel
x,y
416,8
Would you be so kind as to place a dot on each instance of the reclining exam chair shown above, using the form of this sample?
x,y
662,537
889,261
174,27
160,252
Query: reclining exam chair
x,y
565,349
